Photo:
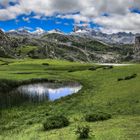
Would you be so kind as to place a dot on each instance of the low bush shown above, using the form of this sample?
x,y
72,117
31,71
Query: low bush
x,y
120,79
108,67
83,132
100,116
45,64
55,122
71,71
92,68
99,67
6,63
128,77
30,122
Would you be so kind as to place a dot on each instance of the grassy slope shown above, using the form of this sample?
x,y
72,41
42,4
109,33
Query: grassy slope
x,y
101,91
24,50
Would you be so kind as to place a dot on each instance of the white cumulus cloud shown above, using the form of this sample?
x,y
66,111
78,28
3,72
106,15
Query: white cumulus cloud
x,y
120,18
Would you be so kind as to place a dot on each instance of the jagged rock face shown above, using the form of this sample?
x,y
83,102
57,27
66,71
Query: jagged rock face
x,y
3,38
61,46
137,49
5,45
77,28
137,44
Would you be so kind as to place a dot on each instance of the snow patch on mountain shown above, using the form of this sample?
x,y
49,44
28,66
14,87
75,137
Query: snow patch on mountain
x,y
55,31
116,38
38,31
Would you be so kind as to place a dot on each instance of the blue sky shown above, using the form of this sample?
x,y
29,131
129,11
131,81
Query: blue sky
x,y
109,16
50,23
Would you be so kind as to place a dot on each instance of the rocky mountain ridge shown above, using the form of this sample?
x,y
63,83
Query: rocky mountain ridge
x,y
5,44
57,45
115,38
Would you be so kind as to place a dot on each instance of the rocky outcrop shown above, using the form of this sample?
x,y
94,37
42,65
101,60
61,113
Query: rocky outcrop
x,y
5,45
4,40
137,49
137,44
61,46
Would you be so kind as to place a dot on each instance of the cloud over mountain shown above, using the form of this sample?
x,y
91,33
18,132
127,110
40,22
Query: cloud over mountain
x,y
119,15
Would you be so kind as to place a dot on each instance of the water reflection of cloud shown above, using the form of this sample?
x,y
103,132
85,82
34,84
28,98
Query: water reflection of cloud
x,y
43,90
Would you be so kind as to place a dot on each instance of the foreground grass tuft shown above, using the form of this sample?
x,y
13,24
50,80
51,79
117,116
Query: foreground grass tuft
x,y
83,132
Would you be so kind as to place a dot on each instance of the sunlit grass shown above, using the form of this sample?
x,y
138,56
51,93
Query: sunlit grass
x,y
101,92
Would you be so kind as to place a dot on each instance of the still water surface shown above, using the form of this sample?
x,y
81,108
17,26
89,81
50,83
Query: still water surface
x,y
51,91
39,92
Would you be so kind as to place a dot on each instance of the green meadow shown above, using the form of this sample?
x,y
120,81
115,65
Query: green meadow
x,y
101,92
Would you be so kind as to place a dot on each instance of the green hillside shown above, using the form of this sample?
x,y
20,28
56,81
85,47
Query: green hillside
x,y
113,90
62,46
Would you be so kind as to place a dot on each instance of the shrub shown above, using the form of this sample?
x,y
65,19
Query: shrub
x,y
83,132
100,116
71,71
45,64
92,68
120,79
99,67
6,63
108,67
130,77
30,122
55,122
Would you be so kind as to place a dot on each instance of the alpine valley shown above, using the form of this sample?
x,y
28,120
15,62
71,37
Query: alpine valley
x,y
83,45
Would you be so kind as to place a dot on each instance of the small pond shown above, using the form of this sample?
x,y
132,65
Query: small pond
x,y
39,92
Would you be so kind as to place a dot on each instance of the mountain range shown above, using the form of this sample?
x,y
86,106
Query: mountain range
x,y
84,45
114,38
37,33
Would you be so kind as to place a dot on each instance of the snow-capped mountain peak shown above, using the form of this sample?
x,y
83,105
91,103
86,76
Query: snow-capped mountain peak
x,y
115,38
55,31
38,31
